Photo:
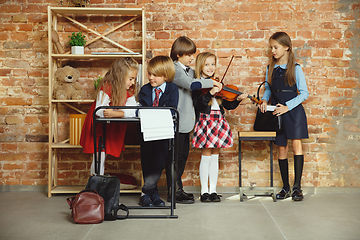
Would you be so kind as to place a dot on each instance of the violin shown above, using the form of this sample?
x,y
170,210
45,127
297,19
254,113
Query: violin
x,y
230,92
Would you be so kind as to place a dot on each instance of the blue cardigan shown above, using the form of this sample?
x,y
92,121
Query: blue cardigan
x,y
300,84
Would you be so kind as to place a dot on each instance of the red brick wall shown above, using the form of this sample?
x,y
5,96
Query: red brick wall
x,y
325,35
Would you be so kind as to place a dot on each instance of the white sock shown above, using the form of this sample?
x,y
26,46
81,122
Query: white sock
x,y
102,164
213,172
204,173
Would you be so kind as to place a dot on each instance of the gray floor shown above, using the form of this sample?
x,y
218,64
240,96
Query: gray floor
x,y
32,215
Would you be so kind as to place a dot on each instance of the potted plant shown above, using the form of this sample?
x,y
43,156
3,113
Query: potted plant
x,y
97,81
77,43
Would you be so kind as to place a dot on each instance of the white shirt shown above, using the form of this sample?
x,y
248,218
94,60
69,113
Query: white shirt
x,y
103,99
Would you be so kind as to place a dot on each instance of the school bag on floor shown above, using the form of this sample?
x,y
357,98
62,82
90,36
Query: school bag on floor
x,y
108,187
87,207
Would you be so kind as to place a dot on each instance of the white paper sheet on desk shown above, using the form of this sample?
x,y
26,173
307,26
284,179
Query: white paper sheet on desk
x,y
156,124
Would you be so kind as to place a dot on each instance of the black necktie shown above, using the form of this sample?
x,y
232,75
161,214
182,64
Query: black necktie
x,y
187,69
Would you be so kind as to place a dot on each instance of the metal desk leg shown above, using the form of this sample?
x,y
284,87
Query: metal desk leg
x,y
239,163
272,171
271,164
241,194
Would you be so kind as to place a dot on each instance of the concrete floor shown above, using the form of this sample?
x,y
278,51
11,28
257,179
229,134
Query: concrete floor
x,y
33,216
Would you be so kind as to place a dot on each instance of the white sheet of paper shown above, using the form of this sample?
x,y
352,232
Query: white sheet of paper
x,y
156,124
270,108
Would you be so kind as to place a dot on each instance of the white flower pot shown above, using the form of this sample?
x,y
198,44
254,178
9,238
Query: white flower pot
x,y
77,50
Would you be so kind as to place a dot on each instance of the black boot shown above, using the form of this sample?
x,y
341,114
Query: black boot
x,y
298,167
284,172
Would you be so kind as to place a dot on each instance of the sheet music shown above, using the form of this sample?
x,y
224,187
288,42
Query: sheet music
x,y
156,124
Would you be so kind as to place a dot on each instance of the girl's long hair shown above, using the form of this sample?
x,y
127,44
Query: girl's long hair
x,y
115,78
200,62
283,39
199,65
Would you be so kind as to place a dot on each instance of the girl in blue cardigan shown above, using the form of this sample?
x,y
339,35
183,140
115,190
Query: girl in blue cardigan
x,y
287,81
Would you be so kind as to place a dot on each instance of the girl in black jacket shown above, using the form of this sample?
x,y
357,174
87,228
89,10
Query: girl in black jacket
x,y
212,131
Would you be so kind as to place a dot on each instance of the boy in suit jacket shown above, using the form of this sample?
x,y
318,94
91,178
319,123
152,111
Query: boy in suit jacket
x,y
182,52
160,91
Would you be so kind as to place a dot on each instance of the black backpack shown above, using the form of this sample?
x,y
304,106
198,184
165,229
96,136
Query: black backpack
x,y
108,187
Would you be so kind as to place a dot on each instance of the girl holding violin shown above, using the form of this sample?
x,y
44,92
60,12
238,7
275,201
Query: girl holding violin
x,y
212,131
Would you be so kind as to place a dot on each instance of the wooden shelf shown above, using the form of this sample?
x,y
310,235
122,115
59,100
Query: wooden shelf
x,y
94,56
55,61
76,189
67,145
73,101
64,145
97,11
67,189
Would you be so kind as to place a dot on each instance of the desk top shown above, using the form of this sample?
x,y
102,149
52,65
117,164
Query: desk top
x,y
256,134
123,120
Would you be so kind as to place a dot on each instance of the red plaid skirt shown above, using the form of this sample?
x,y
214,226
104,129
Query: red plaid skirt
x,y
212,131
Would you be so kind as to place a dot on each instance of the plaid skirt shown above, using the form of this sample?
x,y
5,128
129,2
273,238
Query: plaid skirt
x,y
212,131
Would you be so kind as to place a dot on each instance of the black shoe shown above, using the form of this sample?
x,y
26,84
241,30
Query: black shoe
x,y
157,201
190,195
145,201
297,195
205,197
284,193
215,197
180,197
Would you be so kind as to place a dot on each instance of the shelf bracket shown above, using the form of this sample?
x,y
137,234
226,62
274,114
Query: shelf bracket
x,y
72,107
112,30
96,33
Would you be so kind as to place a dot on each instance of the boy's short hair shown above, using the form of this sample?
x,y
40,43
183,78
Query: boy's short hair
x,y
162,66
182,45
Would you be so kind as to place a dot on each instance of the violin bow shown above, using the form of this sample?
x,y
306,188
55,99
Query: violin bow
x,y
252,98
232,57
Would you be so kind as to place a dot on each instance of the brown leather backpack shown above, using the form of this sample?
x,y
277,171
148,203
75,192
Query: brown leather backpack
x,y
87,207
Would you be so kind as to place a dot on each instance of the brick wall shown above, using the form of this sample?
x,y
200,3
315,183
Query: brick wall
x,y
325,35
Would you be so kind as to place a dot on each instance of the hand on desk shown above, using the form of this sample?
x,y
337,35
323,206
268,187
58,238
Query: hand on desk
x,y
111,113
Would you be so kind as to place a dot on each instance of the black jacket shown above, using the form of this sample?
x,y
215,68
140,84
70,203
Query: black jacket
x,y
201,102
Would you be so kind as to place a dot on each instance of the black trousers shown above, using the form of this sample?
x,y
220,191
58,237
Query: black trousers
x,y
183,153
153,159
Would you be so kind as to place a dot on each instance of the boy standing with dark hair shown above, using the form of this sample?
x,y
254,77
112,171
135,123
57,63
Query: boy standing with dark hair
x,y
182,53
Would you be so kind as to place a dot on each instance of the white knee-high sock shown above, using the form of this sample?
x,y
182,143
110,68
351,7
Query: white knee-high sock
x,y
213,172
204,173
102,164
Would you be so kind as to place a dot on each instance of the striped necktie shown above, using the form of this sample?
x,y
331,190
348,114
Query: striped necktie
x,y
156,100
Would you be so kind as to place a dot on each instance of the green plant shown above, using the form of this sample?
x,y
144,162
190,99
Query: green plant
x,y
77,39
97,81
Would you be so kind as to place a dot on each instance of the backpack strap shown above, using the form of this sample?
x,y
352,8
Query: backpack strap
x,y
272,93
124,208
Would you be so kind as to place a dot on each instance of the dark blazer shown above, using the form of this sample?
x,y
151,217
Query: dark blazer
x,y
169,98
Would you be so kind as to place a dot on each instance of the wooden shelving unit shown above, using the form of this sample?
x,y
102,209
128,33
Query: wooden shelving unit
x,y
55,145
